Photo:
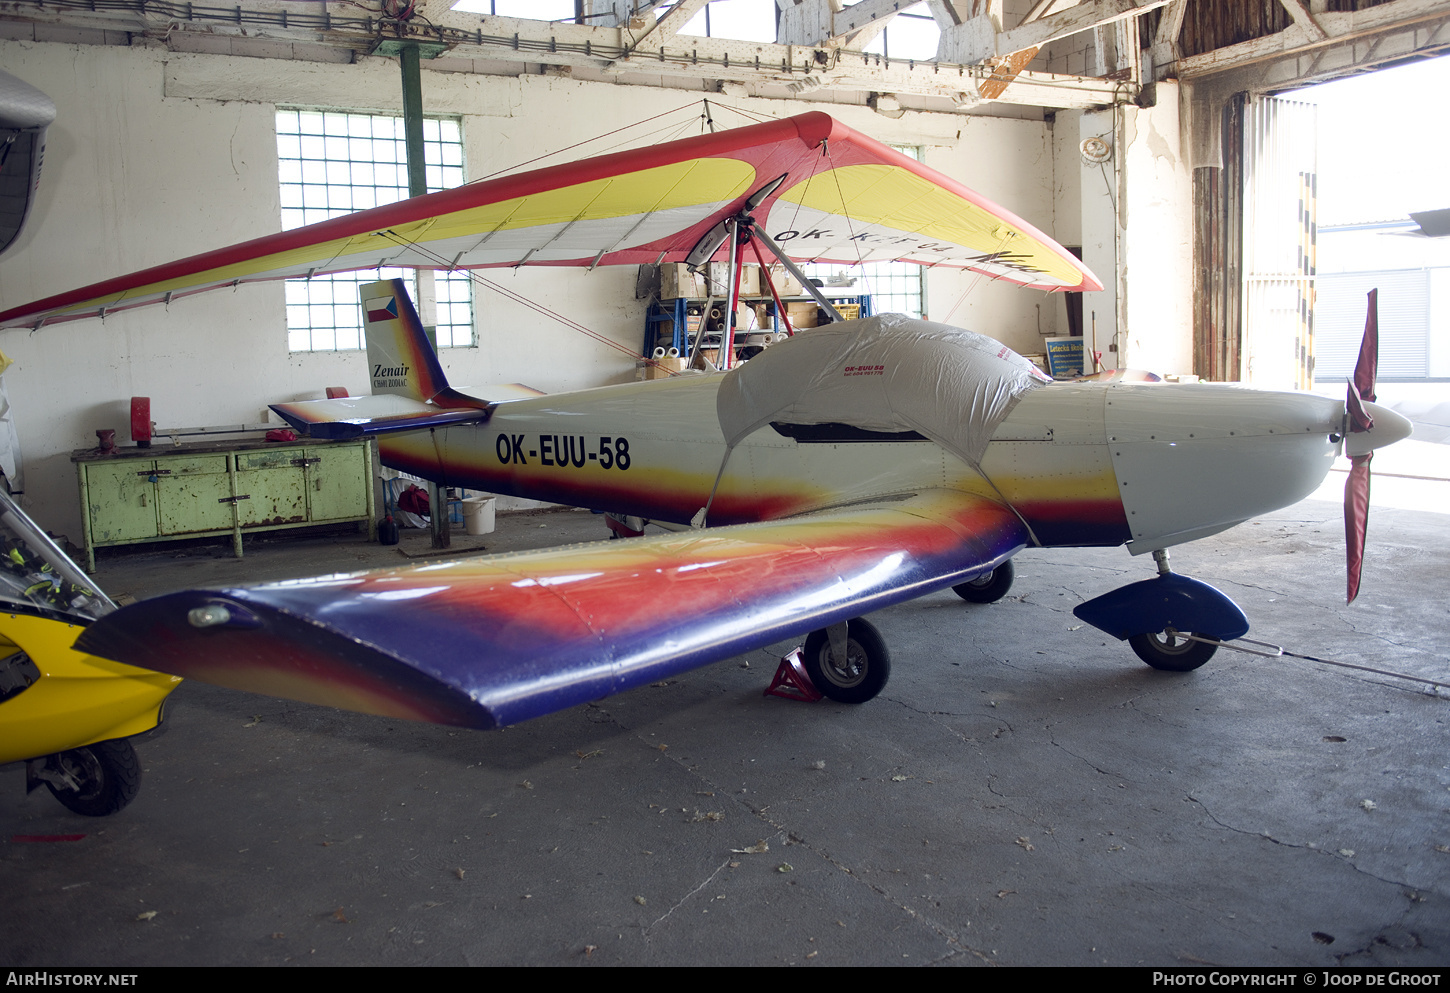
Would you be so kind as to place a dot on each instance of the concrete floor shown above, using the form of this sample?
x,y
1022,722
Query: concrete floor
x,y
1023,792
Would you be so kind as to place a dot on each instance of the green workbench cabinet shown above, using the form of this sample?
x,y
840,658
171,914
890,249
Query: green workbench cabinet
x,y
134,495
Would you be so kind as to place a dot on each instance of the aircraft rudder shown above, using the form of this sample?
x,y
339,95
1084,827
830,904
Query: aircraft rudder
x,y
401,359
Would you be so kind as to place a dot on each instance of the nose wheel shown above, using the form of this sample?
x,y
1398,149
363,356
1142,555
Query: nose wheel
x,y
1171,651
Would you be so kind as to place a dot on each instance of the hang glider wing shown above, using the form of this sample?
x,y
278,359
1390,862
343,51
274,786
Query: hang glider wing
x,y
492,641
842,197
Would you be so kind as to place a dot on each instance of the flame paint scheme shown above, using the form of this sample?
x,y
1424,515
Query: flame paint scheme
x,y
841,471
490,642
824,522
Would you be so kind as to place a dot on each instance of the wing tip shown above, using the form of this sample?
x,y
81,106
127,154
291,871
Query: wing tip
x,y
241,643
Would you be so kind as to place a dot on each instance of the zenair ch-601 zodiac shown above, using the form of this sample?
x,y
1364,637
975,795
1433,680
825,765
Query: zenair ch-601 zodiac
x,y
844,469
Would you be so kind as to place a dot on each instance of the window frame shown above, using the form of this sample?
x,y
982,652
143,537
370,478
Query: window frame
x,y
332,162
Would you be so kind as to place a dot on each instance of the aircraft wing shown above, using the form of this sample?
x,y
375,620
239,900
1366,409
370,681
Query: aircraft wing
x,y
491,641
843,198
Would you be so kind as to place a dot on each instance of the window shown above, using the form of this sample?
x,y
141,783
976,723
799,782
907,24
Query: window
x,y
333,163
911,34
895,287
749,20
539,10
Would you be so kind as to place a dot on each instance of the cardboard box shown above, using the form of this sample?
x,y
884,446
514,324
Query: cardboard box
x,y
677,281
664,368
718,283
802,315
785,284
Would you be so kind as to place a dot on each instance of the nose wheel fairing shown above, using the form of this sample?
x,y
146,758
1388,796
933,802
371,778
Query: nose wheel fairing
x,y
1169,601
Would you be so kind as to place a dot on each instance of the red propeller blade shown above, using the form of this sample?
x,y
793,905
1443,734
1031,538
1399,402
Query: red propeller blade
x,y
1356,519
1356,490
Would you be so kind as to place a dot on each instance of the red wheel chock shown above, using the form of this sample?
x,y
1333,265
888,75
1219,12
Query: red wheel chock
x,y
791,681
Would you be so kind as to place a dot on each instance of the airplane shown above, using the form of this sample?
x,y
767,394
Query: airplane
x,y
844,469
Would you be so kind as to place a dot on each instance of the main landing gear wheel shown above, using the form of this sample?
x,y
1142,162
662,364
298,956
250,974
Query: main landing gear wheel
x,y
988,587
1171,651
860,675
107,776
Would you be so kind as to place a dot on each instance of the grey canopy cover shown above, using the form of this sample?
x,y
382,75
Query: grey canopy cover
x,y
888,373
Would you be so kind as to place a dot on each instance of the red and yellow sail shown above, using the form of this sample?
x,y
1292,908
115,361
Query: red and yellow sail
x,y
845,198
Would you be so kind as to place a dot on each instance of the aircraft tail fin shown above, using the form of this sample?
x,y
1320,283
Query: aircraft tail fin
x,y
401,359
409,390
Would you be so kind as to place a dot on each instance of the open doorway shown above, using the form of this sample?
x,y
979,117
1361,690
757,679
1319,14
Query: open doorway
x,y
1384,222
1382,161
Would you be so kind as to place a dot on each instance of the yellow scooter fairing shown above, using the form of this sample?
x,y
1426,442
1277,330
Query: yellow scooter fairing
x,y
77,699
69,715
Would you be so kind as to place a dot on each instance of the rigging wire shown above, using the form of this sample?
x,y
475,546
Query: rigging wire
x,y
795,214
753,116
836,175
972,286
580,144
516,297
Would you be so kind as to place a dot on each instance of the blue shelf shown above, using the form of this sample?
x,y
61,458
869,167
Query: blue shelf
x,y
676,311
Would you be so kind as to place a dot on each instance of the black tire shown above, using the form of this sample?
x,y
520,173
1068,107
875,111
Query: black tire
x,y
1171,652
864,672
988,587
109,775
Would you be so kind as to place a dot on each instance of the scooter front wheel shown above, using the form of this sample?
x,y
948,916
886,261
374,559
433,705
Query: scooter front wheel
x,y
107,776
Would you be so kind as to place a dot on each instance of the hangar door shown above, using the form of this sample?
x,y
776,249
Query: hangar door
x,y
1404,323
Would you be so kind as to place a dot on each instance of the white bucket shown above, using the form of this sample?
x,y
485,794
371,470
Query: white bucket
x,y
478,515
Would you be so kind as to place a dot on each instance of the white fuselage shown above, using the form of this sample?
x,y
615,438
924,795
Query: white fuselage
x,y
1084,464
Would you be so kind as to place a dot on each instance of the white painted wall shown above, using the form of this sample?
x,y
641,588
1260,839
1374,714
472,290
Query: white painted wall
x,y
1136,229
156,155
1099,212
1157,271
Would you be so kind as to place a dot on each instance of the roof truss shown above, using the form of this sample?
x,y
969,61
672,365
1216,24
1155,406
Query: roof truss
x,y
979,59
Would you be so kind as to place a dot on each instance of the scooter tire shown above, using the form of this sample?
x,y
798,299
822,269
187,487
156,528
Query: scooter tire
x,y
109,774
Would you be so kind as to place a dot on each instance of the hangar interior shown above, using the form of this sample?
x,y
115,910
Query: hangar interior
x,y
1150,136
